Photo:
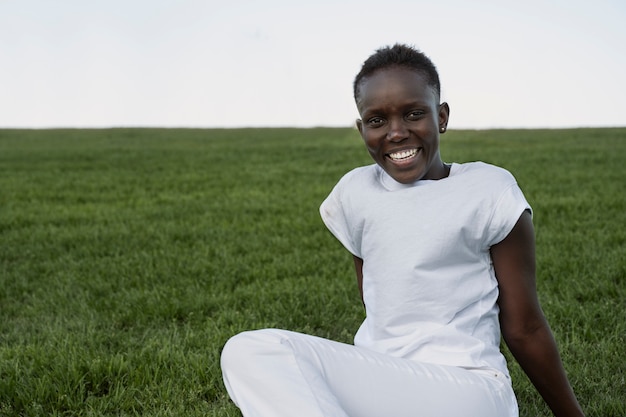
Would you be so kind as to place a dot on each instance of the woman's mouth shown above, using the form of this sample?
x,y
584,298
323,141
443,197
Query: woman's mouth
x,y
403,155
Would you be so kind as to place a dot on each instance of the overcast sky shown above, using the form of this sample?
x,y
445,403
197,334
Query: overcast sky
x,y
232,63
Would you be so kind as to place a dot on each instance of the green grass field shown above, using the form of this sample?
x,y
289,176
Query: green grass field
x,y
129,256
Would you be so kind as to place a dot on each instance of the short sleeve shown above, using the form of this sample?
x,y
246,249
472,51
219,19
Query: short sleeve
x,y
507,211
335,215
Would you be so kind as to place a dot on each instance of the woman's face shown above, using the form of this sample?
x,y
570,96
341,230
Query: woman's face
x,y
400,122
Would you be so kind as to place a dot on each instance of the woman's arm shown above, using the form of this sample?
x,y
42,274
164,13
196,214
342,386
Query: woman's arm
x,y
524,327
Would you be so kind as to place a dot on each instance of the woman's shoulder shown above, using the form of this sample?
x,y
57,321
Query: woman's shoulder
x,y
362,175
484,171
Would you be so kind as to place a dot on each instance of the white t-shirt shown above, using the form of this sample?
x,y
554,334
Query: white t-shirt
x,y
429,285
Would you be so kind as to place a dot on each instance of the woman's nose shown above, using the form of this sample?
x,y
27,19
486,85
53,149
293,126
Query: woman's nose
x,y
397,131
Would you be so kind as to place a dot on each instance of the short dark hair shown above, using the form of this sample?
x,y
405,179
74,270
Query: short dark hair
x,y
399,55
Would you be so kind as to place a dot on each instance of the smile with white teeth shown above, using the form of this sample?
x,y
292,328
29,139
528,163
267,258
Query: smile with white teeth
x,y
399,156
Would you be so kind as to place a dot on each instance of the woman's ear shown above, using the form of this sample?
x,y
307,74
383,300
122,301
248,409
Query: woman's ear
x,y
359,125
444,115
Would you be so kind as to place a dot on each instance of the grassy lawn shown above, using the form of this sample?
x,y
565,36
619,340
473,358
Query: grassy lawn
x,y
129,256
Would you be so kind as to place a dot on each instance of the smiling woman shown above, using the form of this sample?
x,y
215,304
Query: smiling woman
x,y
401,122
445,263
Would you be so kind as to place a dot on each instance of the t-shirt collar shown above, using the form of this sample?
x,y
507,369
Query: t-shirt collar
x,y
392,185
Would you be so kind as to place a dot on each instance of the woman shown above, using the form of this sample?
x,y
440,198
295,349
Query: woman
x,y
444,258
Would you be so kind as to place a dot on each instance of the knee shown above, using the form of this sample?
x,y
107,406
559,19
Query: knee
x,y
245,348
234,351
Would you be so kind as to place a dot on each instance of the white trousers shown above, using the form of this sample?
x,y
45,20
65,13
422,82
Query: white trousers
x,y
278,373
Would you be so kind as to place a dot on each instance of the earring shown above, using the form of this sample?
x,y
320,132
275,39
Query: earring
x,y
442,129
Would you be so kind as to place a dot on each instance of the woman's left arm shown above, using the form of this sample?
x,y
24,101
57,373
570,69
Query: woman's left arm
x,y
524,327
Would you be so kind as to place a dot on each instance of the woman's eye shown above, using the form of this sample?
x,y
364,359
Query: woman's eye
x,y
375,121
415,114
